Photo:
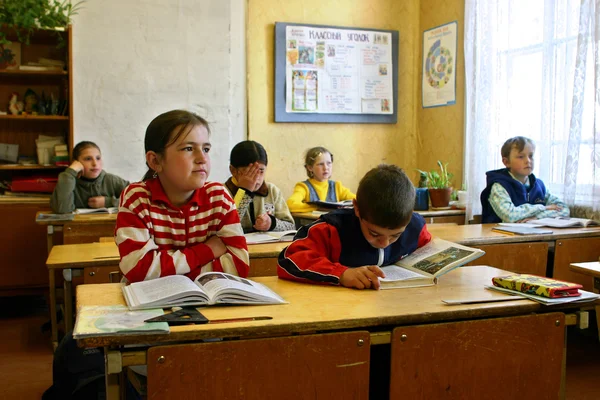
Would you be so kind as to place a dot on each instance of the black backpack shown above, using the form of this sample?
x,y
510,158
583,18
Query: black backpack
x,y
77,373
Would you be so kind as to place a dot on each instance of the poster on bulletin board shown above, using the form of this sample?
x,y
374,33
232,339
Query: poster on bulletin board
x,y
335,74
439,65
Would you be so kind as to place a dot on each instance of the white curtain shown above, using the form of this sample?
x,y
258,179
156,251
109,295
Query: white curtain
x,y
532,70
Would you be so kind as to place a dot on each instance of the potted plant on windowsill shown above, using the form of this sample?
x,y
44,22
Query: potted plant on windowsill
x,y
26,16
440,186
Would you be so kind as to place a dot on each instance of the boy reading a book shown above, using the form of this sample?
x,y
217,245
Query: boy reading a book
x,y
347,246
514,194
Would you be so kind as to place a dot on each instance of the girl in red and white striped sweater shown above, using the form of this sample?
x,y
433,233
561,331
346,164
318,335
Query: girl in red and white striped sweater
x,y
174,221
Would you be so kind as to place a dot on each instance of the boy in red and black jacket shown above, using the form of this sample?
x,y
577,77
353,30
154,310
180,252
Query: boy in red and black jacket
x,y
346,247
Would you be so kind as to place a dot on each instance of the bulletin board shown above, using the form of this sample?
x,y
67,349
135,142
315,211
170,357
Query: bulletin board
x,y
330,74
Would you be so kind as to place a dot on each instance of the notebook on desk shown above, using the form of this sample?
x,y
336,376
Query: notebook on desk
x,y
520,230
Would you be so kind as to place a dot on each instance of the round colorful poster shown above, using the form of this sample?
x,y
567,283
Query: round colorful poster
x,y
438,66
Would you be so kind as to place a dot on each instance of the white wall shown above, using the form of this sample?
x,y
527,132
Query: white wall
x,y
135,59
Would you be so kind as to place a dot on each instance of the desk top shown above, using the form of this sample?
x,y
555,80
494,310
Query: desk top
x,y
81,219
481,234
100,254
587,268
103,254
429,213
327,308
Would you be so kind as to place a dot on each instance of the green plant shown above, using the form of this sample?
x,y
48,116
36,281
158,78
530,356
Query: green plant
x,y
27,15
439,180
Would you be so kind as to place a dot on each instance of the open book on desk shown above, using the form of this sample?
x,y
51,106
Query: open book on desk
x,y
272,236
101,210
426,264
207,289
561,222
331,204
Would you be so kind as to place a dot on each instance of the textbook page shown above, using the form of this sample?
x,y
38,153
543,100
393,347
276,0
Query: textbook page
x,y
168,291
561,222
439,256
224,288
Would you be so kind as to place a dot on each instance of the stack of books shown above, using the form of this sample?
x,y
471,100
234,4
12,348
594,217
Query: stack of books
x,y
61,155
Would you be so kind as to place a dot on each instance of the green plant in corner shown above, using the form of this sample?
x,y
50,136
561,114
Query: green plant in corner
x,y
439,180
24,16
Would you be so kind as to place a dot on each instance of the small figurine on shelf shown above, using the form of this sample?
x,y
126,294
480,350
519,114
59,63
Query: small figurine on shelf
x,y
31,100
53,105
15,107
42,104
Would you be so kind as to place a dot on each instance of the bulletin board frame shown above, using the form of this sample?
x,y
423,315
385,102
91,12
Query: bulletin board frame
x,y
280,81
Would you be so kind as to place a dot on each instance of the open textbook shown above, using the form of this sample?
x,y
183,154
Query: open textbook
x,y
331,204
207,289
109,320
561,222
101,210
272,236
426,264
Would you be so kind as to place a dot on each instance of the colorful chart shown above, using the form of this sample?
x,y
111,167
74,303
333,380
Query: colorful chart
x,y
438,66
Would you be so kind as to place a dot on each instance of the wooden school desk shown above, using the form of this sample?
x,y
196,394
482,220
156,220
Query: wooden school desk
x,y
84,228
323,335
98,262
431,217
591,269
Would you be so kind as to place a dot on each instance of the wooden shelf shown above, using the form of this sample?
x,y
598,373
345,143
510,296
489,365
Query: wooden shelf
x,y
17,72
32,166
36,117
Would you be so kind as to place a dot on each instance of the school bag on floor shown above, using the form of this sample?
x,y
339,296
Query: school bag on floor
x,y
77,373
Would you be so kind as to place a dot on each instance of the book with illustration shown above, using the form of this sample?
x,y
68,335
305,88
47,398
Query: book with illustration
x,y
110,320
426,264
271,236
207,289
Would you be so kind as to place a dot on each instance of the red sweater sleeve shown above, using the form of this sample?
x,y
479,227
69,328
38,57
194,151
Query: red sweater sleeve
x,y
314,257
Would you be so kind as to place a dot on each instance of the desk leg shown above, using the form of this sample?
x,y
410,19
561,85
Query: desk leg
x,y
49,237
52,289
68,288
113,368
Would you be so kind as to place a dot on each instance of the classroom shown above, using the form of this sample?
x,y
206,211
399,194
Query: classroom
x,y
131,60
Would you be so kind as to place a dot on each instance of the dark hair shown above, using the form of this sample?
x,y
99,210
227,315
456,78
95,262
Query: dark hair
x,y
311,157
247,152
81,146
518,142
386,197
166,129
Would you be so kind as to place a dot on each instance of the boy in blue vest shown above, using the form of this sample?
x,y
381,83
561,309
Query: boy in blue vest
x,y
514,194
346,247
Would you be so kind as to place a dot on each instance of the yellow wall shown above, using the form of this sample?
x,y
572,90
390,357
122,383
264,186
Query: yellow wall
x,y
357,147
418,139
441,129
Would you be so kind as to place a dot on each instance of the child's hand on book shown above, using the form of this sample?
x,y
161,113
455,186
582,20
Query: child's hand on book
x,y
216,245
263,222
96,202
553,207
366,277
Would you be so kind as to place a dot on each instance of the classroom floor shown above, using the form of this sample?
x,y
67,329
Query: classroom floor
x,y
26,353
